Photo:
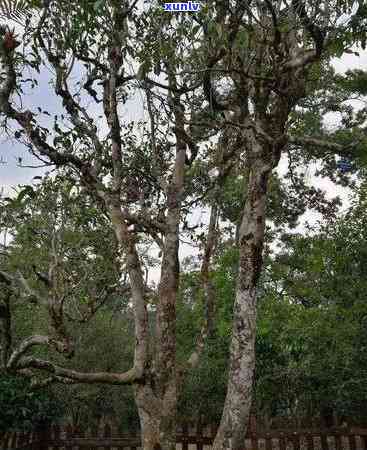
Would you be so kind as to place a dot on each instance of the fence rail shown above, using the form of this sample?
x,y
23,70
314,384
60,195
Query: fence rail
x,y
187,439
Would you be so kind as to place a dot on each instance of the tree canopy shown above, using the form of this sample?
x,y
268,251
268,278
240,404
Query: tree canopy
x,y
228,93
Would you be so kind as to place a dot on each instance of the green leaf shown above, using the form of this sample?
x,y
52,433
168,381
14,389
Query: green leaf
x,y
242,39
98,5
27,191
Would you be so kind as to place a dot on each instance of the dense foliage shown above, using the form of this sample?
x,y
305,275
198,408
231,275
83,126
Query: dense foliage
x,y
311,325
24,409
311,320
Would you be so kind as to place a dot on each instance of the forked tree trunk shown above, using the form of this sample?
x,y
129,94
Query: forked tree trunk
x,y
157,398
232,429
149,415
157,414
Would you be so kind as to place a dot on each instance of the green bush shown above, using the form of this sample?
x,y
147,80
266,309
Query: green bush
x,y
23,409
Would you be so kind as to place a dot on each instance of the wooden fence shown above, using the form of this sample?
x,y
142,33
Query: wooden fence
x,y
187,439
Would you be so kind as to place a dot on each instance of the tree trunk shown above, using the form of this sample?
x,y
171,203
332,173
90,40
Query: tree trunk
x,y
232,429
158,427
157,398
160,415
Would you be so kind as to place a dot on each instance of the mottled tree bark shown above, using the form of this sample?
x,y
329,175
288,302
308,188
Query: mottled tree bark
x,y
157,398
232,429
149,414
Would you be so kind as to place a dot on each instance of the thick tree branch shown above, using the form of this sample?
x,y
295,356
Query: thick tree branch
x,y
321,144
41,384
117,42
306,57
169,278
301,60
133,267
317,35
23,347
18,280
129,377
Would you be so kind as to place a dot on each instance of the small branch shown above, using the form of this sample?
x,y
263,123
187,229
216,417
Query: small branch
x,y
178,90
208,287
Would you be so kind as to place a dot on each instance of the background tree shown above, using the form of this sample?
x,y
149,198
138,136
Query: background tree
x,y
25,409
264,56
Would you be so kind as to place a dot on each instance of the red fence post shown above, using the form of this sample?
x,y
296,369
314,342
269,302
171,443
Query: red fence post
x,y
69,436
268,442
352,442
309,440
199,435
254,442
213,430
43,438
252,424
324,442
107,433
282,442
185,434
296,441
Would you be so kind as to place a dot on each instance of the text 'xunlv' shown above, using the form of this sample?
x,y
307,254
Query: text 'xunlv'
x,y
188,6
